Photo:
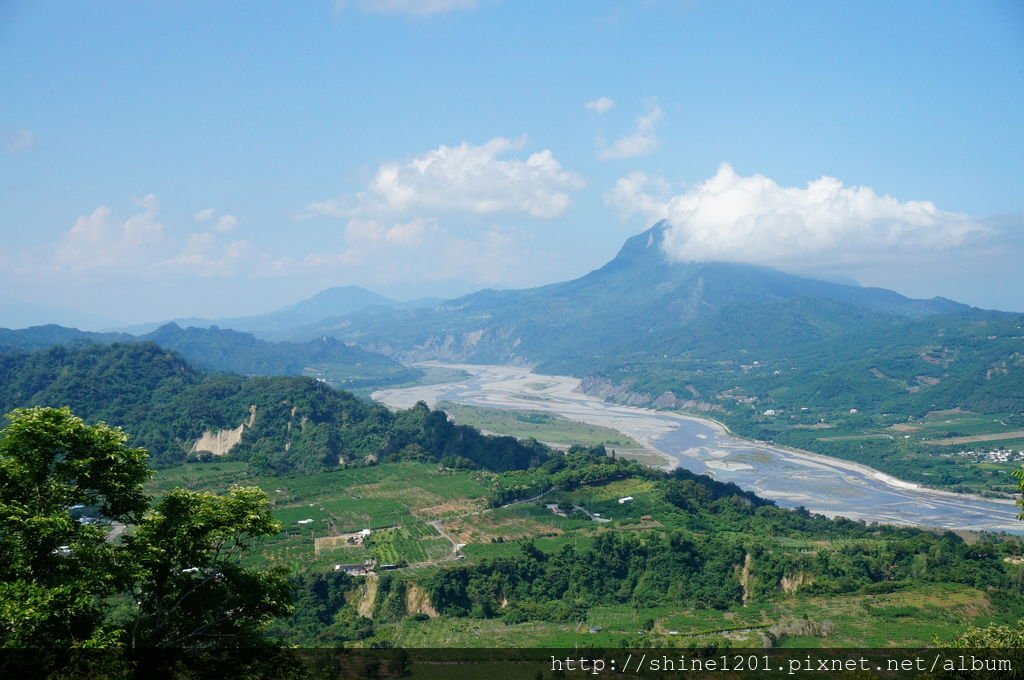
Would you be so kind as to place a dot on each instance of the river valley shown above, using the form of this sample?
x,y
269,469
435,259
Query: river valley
x,y
791,478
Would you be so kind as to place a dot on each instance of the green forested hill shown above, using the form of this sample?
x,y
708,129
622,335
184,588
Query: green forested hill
x,y
41,337
286,423
217,349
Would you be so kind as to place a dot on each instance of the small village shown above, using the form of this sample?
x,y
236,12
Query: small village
x,y
990,456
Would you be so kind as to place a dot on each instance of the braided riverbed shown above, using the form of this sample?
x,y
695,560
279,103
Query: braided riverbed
x,y
791,478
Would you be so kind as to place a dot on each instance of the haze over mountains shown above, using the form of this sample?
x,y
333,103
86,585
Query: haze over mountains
x,y
225,350
281,322
639,307
677,332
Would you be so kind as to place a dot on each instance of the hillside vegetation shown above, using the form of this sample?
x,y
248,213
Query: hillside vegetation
x,y
230,351
285,424
549,557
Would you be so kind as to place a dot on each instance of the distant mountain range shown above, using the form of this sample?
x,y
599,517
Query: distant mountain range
x,y
225,350
639,303
281,323
710,335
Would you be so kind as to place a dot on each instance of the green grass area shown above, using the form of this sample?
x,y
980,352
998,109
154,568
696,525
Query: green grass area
x,y
351,375
545,427
854,437
353,514
941,423
198,477
908,617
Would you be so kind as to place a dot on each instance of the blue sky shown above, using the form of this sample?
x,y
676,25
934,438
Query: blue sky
x,y
171,159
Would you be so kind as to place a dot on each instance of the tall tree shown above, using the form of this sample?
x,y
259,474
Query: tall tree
x,y
191,589
175,580
55,568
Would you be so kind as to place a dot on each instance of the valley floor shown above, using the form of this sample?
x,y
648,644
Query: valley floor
x,y
791,477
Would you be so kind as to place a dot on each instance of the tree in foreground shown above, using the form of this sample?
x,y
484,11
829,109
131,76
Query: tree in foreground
x,y
190,588
993,636
175,580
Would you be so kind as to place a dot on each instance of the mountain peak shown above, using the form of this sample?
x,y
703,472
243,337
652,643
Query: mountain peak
x,y
643,249
336,300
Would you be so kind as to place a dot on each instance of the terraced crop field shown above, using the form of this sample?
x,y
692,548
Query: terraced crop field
x,y
395,500
410,544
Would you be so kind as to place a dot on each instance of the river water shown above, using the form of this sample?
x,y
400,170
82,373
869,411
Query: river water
x,y
791,478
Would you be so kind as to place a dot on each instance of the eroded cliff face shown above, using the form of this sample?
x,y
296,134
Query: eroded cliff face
x,y
366,596
418,602
794,582
487,345
220,442
599,386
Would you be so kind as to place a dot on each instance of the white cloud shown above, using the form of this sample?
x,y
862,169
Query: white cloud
x,y
20,140
468,179
492,258
641,142
99,240
101,243
422,250
600,105
205,215
640,193
224,223
420,8
366,239
205,255
423,219
753,219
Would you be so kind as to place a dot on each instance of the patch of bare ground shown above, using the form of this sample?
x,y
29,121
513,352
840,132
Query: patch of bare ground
x,y
418,602
450,508
367,596
485,529
947,412
646,522
643,456
336,542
